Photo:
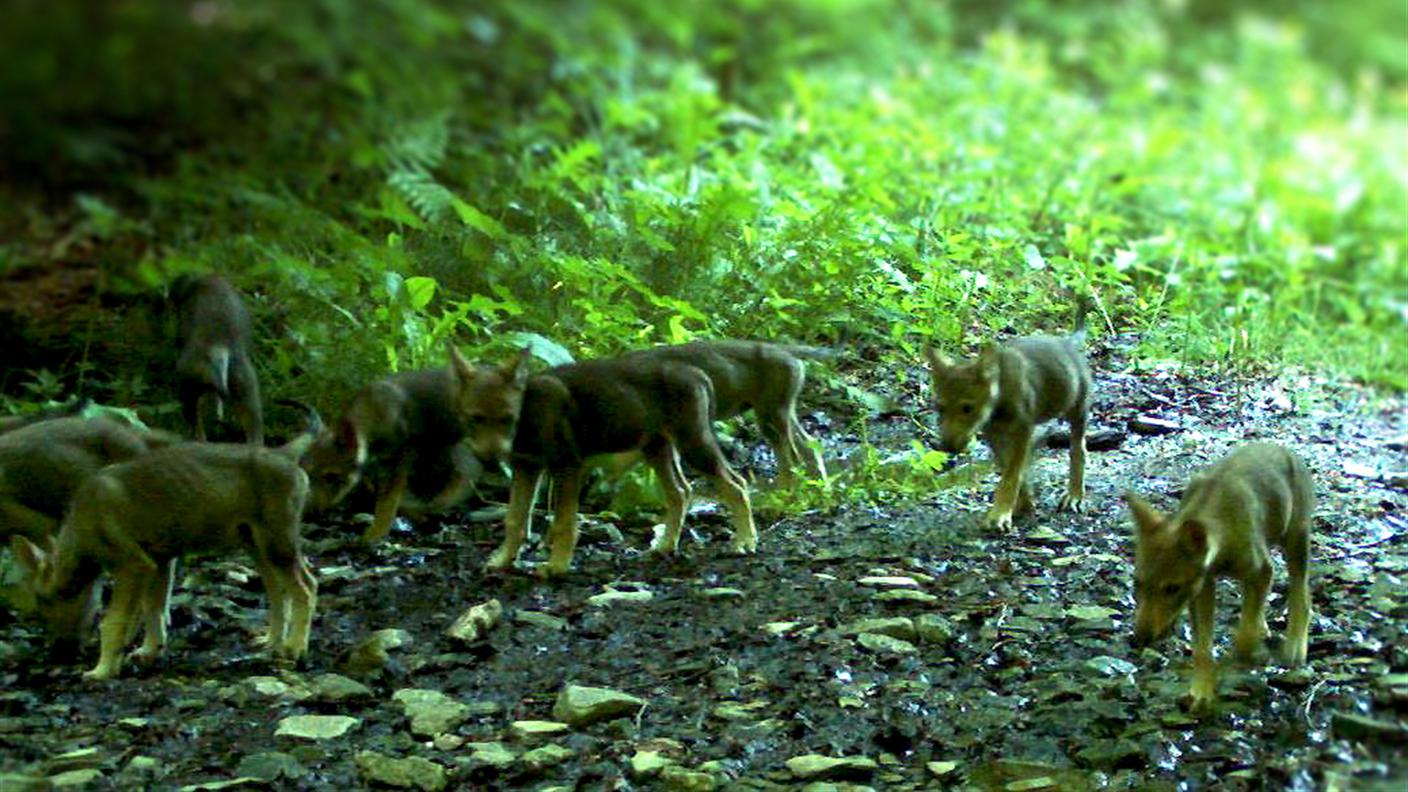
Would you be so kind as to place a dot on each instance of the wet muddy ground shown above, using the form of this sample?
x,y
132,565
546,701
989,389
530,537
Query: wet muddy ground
x,y
1003,662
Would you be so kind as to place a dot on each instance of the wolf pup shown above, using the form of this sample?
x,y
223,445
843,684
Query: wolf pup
x,y
135,518
766,378
556,421
214,364
392,429
1259,497
1003,395
41,465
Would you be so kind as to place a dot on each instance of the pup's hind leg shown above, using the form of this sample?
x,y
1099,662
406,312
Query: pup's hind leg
x,y
665,461
156,613
1298,596
300,600
247,408
1074,499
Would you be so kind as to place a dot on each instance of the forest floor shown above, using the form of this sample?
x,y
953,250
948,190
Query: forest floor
x,y
1003,661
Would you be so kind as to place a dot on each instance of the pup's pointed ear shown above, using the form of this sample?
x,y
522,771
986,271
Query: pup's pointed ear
x,y
988,360
1147,519
459,367
1193,536
938,364
31,559
516,370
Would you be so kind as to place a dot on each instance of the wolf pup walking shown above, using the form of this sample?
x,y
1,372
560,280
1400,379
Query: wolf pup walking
x,y
556,421
1260,496
393,429
134,519
214,364
766,378
1003,395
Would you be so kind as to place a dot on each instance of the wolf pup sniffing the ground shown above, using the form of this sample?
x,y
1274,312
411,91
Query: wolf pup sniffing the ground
x,y
1260,496
214,364
766,378
41,465
1003,395
135,518
556,421
392,428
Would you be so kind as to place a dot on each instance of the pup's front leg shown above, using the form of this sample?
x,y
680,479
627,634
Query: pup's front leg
x,y
388,500
127,593
1011,450
1204,688
523,492
562,534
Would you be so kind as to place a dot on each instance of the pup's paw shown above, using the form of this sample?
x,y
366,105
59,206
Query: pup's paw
x,y
144,655
501,559
99,672
1000,519
1074,502
554,569
661,543
744,545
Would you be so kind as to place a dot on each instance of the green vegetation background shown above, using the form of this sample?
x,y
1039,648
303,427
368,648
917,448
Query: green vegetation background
x,y
384,175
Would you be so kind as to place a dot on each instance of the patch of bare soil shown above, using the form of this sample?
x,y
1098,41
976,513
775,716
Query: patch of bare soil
x,y
997,662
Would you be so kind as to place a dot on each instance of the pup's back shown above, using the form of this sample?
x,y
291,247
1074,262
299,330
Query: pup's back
x,y
1258,485
42,464
192,498
1055,375
744,374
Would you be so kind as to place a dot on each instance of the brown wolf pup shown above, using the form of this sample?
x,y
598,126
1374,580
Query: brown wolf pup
x,y
135,518
214,364
554,422
1003,395
391,429
41,465
1259,497
766,378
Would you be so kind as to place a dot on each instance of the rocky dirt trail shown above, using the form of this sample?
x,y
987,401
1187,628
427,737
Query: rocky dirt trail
x,y
895,647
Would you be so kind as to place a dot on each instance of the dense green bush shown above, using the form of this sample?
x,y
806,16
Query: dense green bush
x,y
385,175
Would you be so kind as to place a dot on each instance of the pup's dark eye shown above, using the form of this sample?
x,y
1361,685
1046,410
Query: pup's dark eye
x,y
1171,589
967,409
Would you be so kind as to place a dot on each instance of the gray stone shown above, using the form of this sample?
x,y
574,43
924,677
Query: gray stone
x,y
336,688
476,622
72,779
226,783
413,772
648,764
582,706
723,593
889,582
905,596
533,729
885,645
900,627
430,711
545,621
674,777
547,756
269,765
373,652
616,597
932,628
315,727
18,782
1349,726
493,754
815,766
81,759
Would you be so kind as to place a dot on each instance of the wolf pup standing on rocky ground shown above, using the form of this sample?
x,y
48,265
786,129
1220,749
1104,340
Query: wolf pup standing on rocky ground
x,y
766,378
214,364
135,518
1259,497
556,421
1003,395
392,429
